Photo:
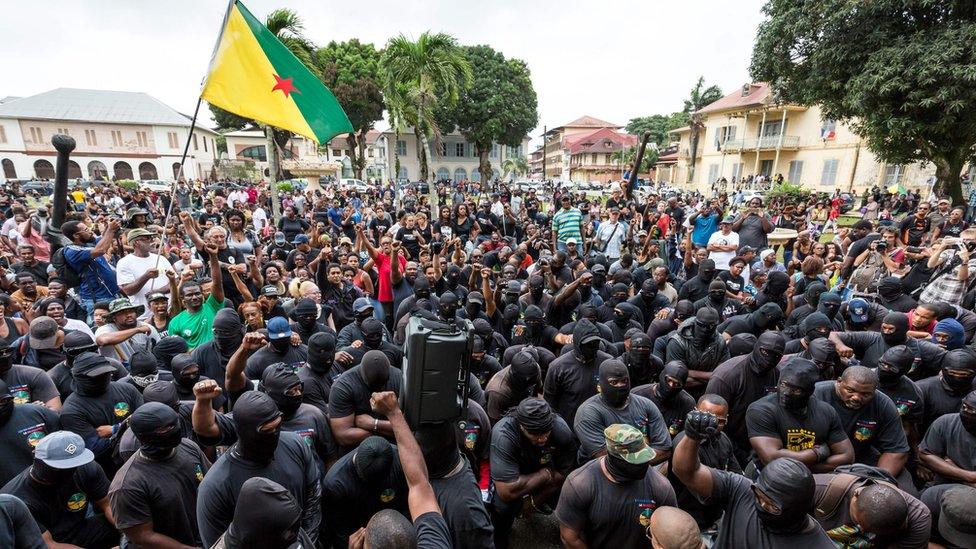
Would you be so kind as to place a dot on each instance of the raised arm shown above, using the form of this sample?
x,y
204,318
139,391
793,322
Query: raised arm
x,y
234,378
104,246
487,292
218,280
685,463
361,239
189,225
203,418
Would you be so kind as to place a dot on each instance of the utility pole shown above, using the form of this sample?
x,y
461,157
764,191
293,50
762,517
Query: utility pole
x,y
544,131
272,150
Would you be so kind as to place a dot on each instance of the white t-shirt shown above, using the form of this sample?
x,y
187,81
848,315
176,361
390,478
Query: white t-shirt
x,y
259,219
131,267
722,258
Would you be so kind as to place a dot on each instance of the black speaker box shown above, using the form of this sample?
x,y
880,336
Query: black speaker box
x,y
435,370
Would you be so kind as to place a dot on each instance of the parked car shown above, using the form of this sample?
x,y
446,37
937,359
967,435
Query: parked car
x,y
41,187
749,194
155,185
350,184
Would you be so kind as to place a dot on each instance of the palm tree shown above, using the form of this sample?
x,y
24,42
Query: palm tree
x,y
419,76
698,100
288,27
515,165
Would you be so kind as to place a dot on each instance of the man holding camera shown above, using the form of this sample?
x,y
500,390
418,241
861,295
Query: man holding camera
x,y
956,271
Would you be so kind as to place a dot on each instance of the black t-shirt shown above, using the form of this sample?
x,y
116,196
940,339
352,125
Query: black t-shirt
x,y
212,364
18,527
379,226
485,369
766,418
349,501
464,511
409,241
609,514
917,228
232,256
734,381
674,410
875,429
28,424
716,453
295,356
84,414
350,395
474,435
29,384
870,346
947,438
316,388
513,455
292,227
936,401
907,399
161,492
65,384
61,509
694,289
735,284
570,382
595,415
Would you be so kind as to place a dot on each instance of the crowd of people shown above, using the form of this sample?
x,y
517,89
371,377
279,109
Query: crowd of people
x,y
666,370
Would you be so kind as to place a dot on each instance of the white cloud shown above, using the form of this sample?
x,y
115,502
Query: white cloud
x,y
613,60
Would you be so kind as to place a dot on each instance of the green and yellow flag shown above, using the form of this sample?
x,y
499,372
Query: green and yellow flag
x,y
254,75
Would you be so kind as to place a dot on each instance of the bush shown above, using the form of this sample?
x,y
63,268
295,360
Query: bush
x,y
128,184
285,187
787,192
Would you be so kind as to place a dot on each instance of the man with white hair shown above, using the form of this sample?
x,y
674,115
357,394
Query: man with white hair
x,y
228,257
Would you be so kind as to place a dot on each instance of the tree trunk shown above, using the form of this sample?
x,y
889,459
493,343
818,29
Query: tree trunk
x,y
421,155
484,165
431,184
947,183
695,134
351,143
272,172
361,146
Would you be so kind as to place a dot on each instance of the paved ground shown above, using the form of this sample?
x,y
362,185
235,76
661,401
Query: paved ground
x,y
536,532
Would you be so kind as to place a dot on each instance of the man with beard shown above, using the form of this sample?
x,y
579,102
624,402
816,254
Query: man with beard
x,y
361,484
535,332
195,323
143,271
609,501
613,404
22,426
402,280
793,424
643,366
626,316
869,346
766,317
63,489
261,450
98,407
892,381
363,310
532,451
669,396
154,494
697,287
521,379
123,334
943,393
947,450
315,373
573,377
27,384
306,320
648,301
770,513
870,420
86,258
350,416
372,330
213,356
697,344
891,294
279,348
74,344
815,326
719,300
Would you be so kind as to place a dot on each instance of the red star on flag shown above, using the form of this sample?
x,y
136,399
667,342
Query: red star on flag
x,y
285,85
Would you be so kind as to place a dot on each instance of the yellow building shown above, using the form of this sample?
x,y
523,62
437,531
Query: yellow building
x,y
748,132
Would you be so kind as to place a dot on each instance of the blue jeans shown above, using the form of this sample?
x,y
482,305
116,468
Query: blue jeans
x,y
89,306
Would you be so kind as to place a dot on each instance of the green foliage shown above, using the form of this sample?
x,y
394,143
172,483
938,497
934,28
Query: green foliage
x,y
787,192
229,121
285,186
902,73
221,142
127,184
699,97
629,155
516,166
659,125
499,106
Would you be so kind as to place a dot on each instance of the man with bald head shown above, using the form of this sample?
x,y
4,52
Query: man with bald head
x,y
672,528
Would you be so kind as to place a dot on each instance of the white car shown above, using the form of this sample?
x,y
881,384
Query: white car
x,y
749,194
358,185
156,185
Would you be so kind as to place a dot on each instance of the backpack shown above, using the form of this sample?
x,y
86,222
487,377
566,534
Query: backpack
x,y
65,271
846,478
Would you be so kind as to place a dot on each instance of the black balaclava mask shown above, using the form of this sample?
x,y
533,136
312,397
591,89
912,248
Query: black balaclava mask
x,y
438,444
534,415
640,355
675,370
51,475
829,304
372,330
163,392
958,371
252,410
815,326
706,270
186,371
277,380
375,370
453,277
305,313
6,403
802,374
85,383
776,284
588,312
823,352
811,296
894,363
586,340
684,310
585,291
473,306
228,332
648,291
76,343
524,372
536,286
716,293
266,516
6,357
512,292
789,484
534,322
768,352
968,418
618,293
482,329
147,422
900,335
615,397
280,345
706,320
622,314
170,346
767,316
373,460
742,344
421,288
511,315
321,352
890,288
447,306
143,369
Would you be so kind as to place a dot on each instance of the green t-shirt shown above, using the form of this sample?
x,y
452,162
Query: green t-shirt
x,y
196,328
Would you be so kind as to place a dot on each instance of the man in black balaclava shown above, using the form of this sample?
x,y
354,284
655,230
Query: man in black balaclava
x,y
361,484
830,306
74,344
823,353
619,293
143,370
625,316
214,355
421,290
815,326
266,516
697,286
452,283
649,302
149,495
943,393
163,392
719,300
285,388
697,344
792,424
98,407
534,331
350,415
186,373
893,381
315,373
770,513
27,383
21,427
261,450
447,306
372,330
869,346
947,450
615,403
774,291
474,307
306,322
742,344
669,396
536,295
279,348
811,300
661,327
766,317
891,294
483,366
167,348
643,366
511,385
494,342
572,378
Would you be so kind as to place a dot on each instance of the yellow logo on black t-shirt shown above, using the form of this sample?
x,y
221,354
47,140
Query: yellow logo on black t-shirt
x,y
800,439
77,501
121,409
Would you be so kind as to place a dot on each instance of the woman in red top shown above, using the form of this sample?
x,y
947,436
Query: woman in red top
x,y
382,262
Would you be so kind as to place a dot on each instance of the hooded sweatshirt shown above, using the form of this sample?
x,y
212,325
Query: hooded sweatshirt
x,y
572,378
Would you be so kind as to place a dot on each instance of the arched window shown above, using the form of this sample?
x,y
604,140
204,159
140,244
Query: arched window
x,y
8,169
147,171
475,176
74,170
43,170
257,153
176,167
460,174
97,171
122,170
443,174
403,174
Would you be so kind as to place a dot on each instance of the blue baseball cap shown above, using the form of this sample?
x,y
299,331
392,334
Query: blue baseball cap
x,y
63,450
361,304
858,309
279,328
300,239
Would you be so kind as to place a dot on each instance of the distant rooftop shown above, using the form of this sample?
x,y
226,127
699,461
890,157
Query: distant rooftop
x,y
587,121
749,95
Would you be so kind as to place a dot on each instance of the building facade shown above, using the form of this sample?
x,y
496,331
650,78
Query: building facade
x,y
251,145
748,132
584,150
457,159
377,167
118,135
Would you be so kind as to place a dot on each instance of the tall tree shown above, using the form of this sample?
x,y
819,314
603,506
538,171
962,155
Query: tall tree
x,y
500,106
515,165
658,124
901,73
700,97
351,70
418,76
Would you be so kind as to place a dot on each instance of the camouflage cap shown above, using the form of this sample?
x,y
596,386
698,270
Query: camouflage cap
x,y
627,443
123,304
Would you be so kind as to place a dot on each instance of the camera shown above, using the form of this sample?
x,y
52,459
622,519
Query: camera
x,y
881,245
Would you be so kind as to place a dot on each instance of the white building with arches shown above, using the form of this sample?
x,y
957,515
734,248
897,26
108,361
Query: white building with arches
x,y
456,160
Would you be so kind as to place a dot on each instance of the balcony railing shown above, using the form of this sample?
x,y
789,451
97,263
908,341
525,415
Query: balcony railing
x,y
769,142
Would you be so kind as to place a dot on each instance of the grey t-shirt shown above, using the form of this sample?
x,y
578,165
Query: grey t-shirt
x,y
122,351
595,415
751,233
947,438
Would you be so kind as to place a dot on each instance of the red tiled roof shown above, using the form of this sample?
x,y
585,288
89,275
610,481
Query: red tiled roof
x,y
668,158
587,121
758,92
340,140
597,141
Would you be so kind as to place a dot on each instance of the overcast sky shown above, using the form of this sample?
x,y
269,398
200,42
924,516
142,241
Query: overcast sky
x,y
609,59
